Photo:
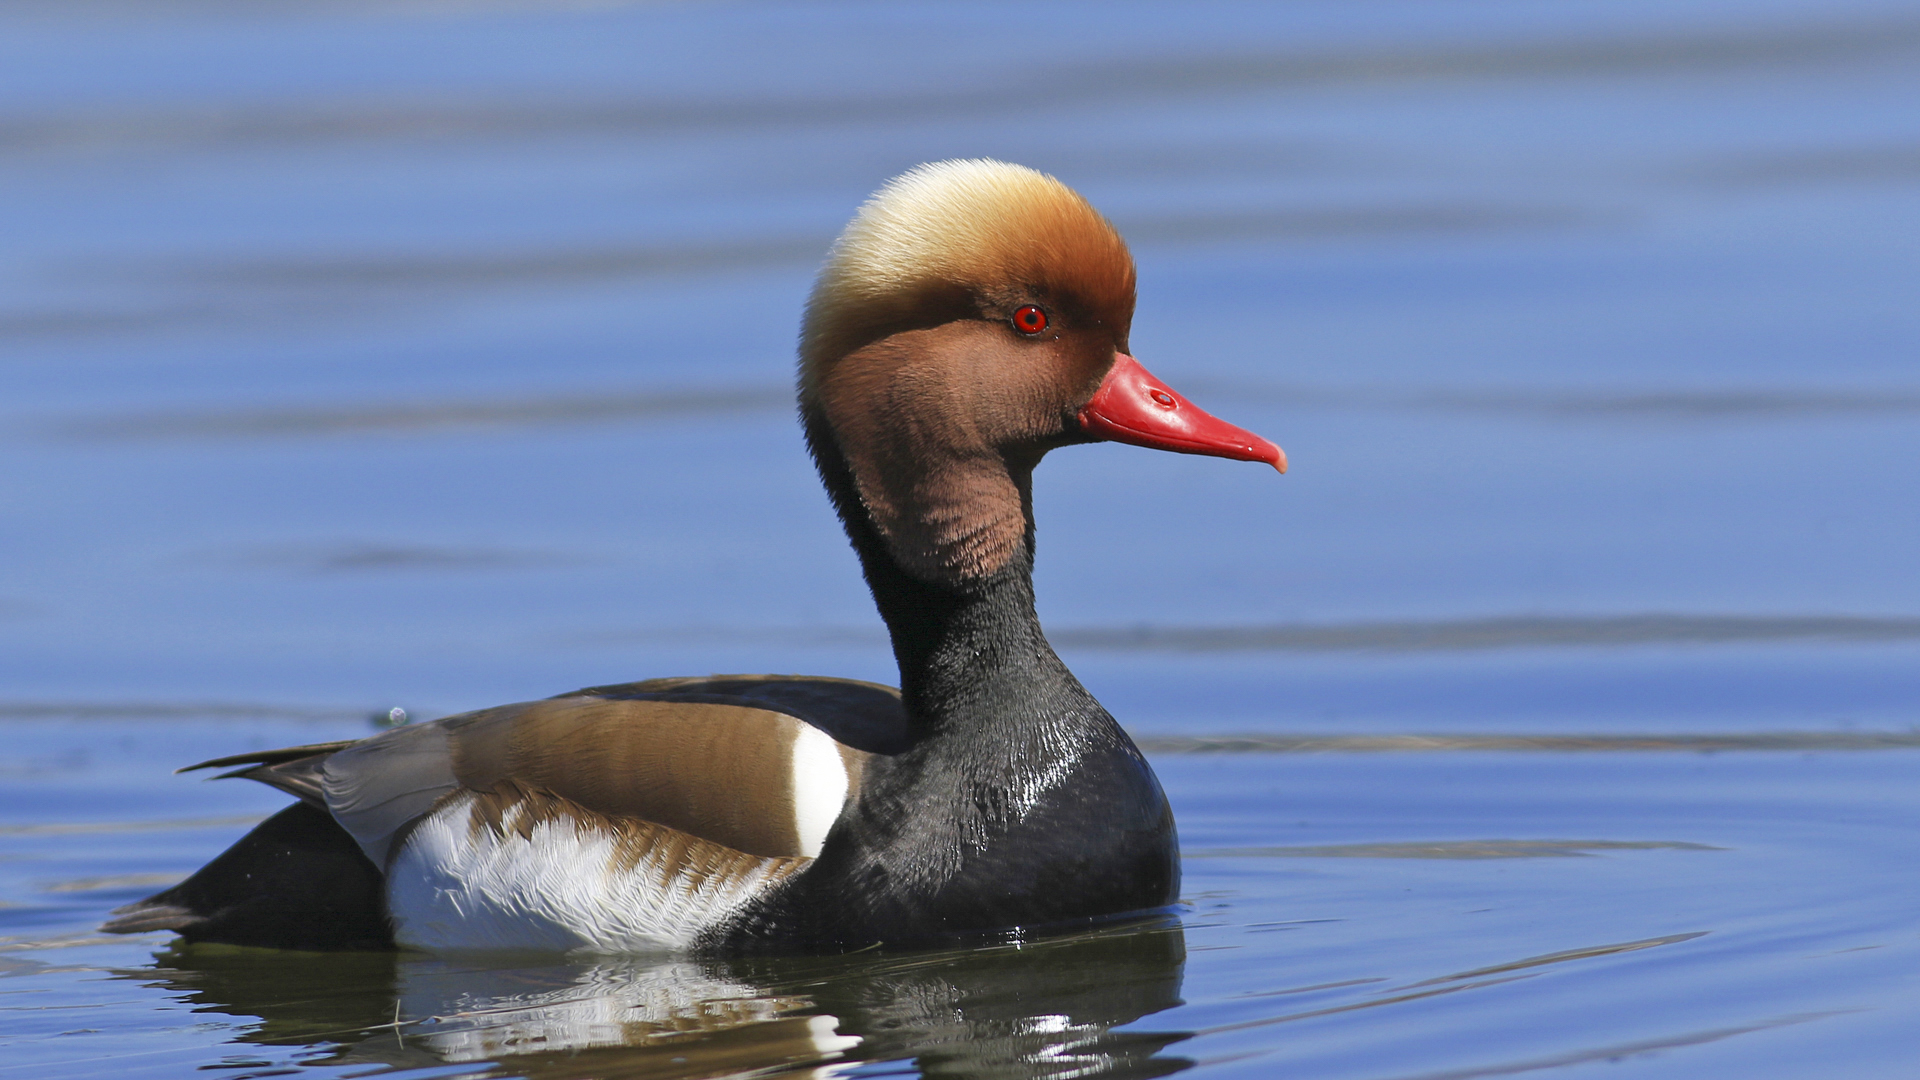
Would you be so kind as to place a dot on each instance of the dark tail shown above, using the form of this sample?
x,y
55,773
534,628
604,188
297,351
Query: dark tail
x,y
297,881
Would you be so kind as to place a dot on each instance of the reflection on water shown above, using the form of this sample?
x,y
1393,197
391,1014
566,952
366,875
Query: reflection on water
x,y
1033,1009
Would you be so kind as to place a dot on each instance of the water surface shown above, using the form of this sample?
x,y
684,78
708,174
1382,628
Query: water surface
x,y
1557,709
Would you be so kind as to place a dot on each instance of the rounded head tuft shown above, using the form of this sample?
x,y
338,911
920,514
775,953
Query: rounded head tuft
x,y
967,232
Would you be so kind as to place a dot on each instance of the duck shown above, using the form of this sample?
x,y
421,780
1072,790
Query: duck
x,y
973,316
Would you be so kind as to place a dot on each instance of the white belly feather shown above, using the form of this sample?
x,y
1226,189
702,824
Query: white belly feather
x,y
542,874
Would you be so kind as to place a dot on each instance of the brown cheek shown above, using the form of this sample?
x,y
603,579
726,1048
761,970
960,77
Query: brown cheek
x,y
1020,392
925,420
1072,371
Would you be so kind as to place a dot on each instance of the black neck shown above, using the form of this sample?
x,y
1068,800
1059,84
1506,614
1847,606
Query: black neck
x,y
969,654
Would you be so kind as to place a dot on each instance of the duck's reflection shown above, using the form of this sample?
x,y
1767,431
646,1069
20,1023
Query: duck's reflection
x,y
1035,1009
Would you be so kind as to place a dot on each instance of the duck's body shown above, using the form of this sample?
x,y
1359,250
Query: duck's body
x,y
973,316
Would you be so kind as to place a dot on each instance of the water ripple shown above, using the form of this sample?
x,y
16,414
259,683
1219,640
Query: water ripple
x,y
1448,849
1494,633
1794,741
1081,82
1396,636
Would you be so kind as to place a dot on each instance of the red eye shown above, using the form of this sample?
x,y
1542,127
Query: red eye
x,y
1029,320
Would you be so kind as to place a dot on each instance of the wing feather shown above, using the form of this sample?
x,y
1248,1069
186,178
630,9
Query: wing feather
x,y
759,764
269,757
721,771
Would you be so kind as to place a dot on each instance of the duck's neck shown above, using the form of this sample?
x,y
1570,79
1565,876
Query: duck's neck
x,y
972,655
976,657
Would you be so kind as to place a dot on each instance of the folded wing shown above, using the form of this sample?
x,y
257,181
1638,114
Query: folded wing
x,y
692,793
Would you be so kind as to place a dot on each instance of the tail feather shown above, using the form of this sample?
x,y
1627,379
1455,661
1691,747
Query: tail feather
x,y
299,778
297,881
294,770
146,915
271,757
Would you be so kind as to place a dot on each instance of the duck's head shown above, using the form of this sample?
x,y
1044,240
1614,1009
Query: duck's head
x,y
973,316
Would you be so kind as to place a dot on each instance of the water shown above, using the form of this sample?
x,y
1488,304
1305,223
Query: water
x,y
1558,708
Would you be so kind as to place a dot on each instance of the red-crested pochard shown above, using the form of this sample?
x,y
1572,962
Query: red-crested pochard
x,y
973,316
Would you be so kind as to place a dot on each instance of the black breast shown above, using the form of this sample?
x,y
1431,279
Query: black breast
x,y
943,844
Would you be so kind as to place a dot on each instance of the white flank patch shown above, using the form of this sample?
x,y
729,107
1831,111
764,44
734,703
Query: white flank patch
x,y
563,889
819,787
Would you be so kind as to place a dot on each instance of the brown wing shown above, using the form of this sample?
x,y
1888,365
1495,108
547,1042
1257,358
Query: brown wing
x,y
729,773
751,762
866,716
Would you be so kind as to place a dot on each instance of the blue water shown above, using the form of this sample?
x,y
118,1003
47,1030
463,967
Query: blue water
x,y
437,355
